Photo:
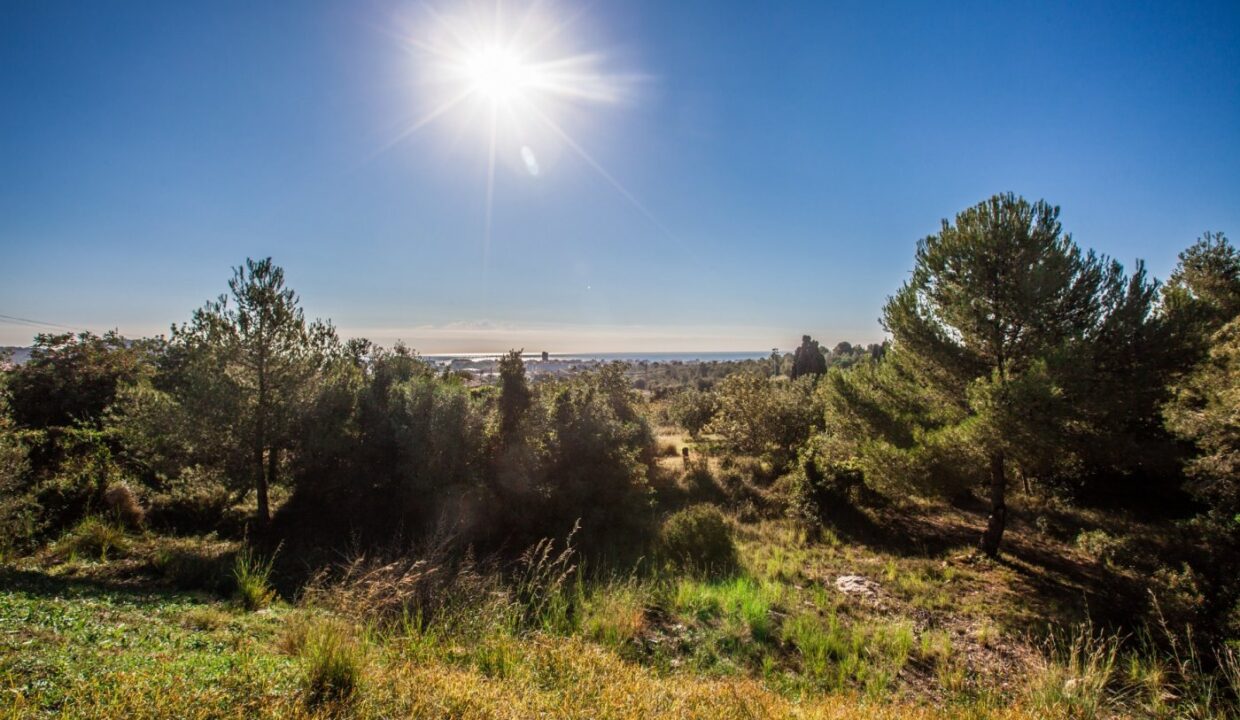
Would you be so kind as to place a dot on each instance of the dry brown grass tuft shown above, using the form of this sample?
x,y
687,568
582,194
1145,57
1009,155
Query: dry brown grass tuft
x,y
124,505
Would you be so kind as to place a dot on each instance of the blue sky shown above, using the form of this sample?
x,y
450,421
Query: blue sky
x,y
785,157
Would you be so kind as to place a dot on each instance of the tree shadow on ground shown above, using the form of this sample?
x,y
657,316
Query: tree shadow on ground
x,y
41,584
1048,580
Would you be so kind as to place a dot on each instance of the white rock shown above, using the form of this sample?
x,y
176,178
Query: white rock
x,y
856,585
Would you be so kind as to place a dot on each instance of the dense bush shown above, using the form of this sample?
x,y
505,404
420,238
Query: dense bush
x,y
599,450
824,491
693,410
389,447
698,539
72,379
18,512
761,416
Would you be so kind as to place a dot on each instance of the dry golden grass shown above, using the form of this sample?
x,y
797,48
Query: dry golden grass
x,y
554,678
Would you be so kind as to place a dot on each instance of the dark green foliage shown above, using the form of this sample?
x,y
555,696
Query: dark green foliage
x,y
388,446
1205,410
698,539
71,379
514,392
809,359
1011,348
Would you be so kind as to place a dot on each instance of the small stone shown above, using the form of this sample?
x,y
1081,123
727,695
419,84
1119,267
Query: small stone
x,y
856,585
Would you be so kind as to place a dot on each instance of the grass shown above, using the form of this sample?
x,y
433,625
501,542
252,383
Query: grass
x,y
1076,676
253,577
100,639
93,538
837,655
334,661
740,603
614,614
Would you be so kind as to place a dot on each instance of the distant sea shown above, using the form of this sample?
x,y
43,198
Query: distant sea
x,y
608,357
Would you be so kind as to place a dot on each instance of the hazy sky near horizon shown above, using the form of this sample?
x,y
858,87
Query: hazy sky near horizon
x,y
761,170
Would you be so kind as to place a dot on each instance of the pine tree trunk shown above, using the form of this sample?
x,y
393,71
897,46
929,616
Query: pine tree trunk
x,y
273,466
260,485
998,508
260,442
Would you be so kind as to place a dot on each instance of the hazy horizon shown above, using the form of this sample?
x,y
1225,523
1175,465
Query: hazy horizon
x,y
487,339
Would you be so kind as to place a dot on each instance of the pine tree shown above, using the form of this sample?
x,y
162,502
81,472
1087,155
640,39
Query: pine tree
x,y
253,347
1004,318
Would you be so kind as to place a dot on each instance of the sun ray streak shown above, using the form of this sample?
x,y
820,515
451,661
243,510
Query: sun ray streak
x,y
422,122
486,241
555,127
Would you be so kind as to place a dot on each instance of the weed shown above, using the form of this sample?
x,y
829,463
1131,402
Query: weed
x,y
614,614
542,584
94,538
253,577
1075,674
333,660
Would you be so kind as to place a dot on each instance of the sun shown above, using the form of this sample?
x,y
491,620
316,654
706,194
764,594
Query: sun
x,y
497,73
515,73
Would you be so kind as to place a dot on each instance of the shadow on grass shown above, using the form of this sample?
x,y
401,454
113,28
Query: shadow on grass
x,y
41,584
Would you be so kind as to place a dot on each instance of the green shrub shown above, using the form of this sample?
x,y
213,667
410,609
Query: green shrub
x,y
693,410
252,575
1099,545
699,539
94,538
196,502
820,490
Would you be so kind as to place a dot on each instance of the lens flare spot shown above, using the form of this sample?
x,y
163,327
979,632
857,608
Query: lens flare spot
x,y
531,162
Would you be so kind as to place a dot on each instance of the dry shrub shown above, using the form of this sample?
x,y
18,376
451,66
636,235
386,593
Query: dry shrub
x,y
401,587
124,505
542,581
384,591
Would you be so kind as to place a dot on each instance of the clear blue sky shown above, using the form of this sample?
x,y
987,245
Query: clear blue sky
x,y
790,155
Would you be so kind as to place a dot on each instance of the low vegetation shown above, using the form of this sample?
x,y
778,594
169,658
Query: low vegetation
x,y
1022,506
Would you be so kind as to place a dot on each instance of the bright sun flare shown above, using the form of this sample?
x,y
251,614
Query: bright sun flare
x,y
497,73
526,75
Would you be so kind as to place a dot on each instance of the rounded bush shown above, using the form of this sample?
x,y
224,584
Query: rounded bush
x,y
698,539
